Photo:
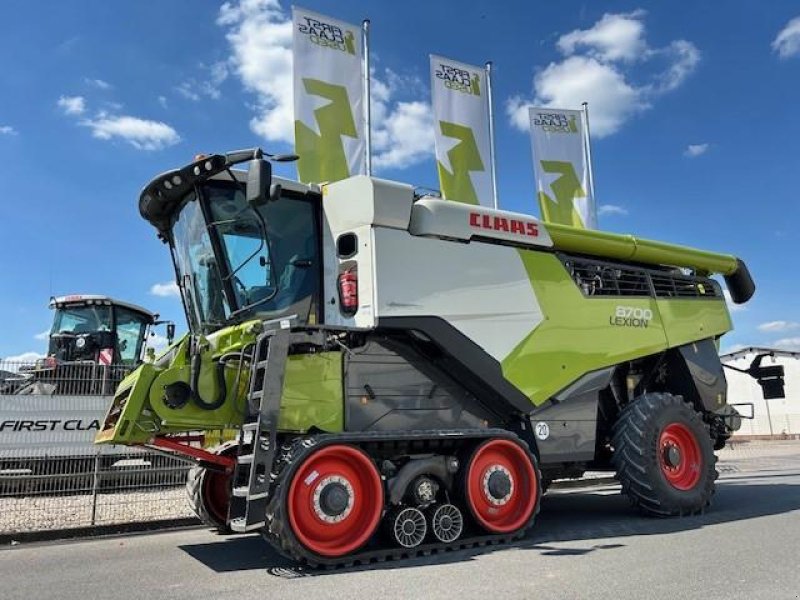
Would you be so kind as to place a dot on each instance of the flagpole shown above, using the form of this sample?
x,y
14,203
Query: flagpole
x,y
589,160
367,107
491,132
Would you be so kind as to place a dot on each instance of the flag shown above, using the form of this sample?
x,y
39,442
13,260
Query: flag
x,y
328,97
461,128
561,167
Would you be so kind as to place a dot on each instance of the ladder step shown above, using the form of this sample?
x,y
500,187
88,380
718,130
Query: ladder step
x,y
245,459
248,427
240,525
244,492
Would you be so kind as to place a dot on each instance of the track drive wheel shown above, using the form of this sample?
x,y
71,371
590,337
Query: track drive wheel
x,y
664,456
335,500
502,486
209,492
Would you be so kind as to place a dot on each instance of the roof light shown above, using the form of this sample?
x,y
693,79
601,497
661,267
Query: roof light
x,y
167,184
176,179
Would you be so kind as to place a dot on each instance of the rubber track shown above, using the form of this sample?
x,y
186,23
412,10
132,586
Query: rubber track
x,y
194,487
630,458
278,532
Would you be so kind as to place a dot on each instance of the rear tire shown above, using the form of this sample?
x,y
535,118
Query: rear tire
x,y
664,457
209,492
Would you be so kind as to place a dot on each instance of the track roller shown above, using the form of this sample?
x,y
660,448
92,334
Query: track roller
x,y
335,500
409,527
447,523
502,486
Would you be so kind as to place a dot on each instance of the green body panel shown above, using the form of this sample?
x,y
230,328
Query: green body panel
x,y
689,320
580,334
312,393
631,248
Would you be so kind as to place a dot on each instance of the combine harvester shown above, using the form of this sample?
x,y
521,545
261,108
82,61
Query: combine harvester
x,y
409,374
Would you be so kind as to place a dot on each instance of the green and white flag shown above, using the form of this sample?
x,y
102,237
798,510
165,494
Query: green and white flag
x,y
561,167
328,97
461,117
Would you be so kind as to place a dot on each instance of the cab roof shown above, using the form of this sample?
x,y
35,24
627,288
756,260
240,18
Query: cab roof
x,y
89,299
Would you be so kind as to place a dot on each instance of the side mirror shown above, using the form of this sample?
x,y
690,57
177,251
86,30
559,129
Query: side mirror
x,y
769,378
170,332
259,178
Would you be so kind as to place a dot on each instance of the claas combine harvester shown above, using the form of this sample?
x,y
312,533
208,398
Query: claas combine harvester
x,y
408,374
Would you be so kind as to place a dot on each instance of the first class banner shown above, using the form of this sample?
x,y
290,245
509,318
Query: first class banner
x,y
561,167
461,127
328,97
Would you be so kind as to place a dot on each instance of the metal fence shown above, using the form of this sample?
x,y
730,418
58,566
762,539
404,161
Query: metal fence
x,y
48,376
66,492
52,477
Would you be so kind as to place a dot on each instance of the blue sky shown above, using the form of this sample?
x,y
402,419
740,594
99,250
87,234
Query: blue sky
x,y
694,114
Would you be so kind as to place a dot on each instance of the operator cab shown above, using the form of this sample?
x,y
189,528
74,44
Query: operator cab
x,y
98,329
238,255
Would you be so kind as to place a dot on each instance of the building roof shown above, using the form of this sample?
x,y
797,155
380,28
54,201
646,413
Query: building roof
x,y
759,350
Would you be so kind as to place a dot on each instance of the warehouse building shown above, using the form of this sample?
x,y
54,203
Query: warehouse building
x,y
771,417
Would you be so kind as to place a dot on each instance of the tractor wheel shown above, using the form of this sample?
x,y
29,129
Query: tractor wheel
x,y
663,456
210,492
502,486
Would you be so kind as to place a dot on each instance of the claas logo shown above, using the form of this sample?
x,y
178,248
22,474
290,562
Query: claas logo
x,y
496,223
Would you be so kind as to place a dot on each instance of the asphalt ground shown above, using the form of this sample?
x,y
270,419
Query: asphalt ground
x,y
587,543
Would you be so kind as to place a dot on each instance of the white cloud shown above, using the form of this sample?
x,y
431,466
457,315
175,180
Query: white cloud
x,y
792,344
7,130
166,289
693,150
42,335
12,363
157,342
72,105
598,67
260,36
614,37
778,326
162,100
98,83
142,134
732,306
611,209
194,89
787,42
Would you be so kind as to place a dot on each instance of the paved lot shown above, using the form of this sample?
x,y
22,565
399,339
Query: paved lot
x,y
586,544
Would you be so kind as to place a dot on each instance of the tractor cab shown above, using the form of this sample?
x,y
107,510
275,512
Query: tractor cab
x,y
93,343
98,329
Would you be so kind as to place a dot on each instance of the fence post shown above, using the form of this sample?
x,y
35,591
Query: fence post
x,y
95,485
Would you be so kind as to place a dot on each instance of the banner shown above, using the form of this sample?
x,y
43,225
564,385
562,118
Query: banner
x,y
328,97
561,167
32,426
461,117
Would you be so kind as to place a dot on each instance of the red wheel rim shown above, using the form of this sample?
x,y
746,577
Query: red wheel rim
x,y
512,510
351,469
217,494
680,456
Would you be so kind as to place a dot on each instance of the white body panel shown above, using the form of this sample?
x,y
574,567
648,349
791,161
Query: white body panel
x,y
454,220
482,290
409,264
